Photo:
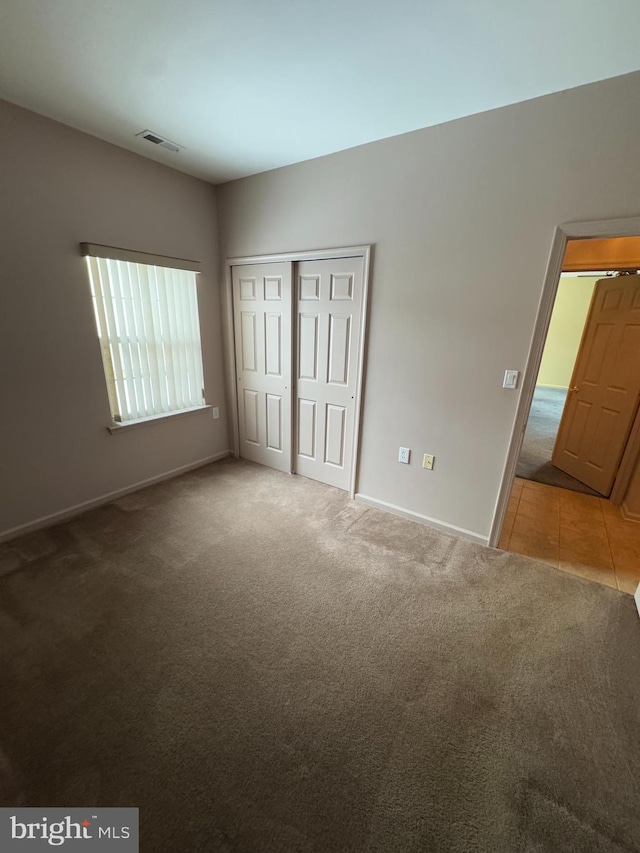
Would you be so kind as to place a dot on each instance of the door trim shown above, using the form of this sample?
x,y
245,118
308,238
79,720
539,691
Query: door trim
x,y
363,252
563,233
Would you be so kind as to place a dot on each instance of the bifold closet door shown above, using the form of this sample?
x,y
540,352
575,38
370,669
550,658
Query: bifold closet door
x,y
328,340
262,311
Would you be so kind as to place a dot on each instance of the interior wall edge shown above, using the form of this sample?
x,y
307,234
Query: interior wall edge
x,y
62,187
442,526
73,511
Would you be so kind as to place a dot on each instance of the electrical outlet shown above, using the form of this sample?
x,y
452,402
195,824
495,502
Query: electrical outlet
x,y
404,454
428,460
215,412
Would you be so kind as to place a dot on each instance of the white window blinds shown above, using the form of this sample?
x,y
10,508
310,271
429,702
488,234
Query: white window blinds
x,y
149,332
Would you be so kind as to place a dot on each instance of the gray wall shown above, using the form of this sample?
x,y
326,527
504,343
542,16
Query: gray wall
x,y
462,217
59,187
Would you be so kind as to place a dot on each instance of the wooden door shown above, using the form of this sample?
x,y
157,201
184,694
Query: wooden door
x,y
262,325
605,387
328,342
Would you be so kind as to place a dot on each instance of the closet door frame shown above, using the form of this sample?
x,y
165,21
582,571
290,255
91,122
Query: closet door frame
x,y
363,252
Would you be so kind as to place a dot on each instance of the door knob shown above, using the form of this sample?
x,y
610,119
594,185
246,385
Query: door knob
x,y
574,388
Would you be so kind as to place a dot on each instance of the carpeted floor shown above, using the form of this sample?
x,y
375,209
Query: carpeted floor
x,y
261,665
534,462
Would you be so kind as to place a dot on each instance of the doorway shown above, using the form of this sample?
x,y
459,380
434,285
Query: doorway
x,y
562,345
575,444
296,342
588,385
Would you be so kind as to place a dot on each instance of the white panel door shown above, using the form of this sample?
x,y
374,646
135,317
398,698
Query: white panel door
x,y
262,311
328,333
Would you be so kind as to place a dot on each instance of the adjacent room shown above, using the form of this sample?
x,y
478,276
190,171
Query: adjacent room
x,y
277,570
570,310
574,502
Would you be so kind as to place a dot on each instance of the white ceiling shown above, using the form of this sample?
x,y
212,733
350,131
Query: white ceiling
x,y
248,85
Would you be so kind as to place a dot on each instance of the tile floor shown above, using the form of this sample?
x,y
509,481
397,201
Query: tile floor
x,y
584,535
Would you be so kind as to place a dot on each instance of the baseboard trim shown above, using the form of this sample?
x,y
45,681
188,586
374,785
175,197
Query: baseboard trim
x,y
77,509
637,598
557,387
627,515
442,526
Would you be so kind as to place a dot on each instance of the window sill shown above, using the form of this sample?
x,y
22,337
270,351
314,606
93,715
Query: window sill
x,y
116,428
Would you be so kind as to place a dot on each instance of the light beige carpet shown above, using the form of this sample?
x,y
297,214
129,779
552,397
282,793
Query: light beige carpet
x,y
261,665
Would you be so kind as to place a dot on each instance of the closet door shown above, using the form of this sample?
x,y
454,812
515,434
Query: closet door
x,y
262,323
328,340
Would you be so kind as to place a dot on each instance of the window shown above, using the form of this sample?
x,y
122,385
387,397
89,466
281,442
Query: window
x,y
147,318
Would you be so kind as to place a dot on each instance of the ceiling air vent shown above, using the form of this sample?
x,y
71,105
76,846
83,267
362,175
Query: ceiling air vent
x,y
160,141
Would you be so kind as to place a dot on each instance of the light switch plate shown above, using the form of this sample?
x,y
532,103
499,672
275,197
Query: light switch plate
x,y
510,379
427,461
403,455
215,412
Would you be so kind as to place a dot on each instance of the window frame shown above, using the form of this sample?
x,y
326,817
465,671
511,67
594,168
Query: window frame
x,y
162,344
